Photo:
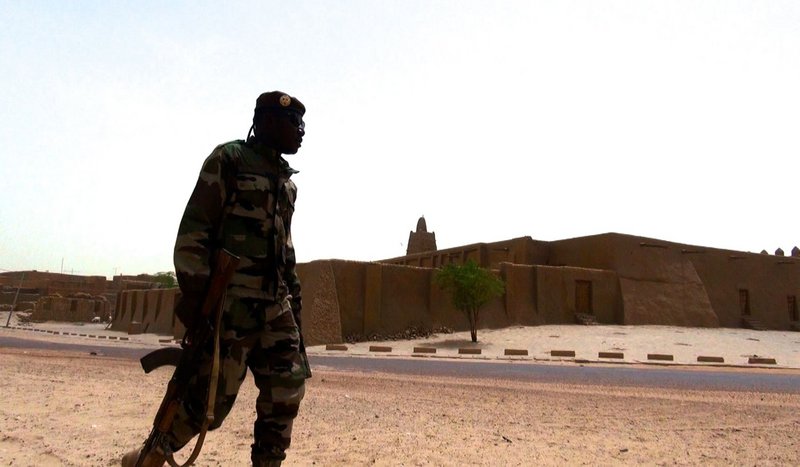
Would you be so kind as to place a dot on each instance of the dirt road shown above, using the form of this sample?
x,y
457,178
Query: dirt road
x,y
74,409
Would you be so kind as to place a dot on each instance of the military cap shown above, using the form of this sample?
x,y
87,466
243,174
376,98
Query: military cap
x,y
277,100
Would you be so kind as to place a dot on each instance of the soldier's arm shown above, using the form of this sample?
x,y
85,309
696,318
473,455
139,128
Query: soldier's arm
x,y
290,273
195,243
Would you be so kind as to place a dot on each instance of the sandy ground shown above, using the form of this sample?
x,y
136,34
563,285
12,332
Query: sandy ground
x,y
76,409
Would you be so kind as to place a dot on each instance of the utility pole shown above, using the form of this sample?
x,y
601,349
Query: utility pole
x,y
14,304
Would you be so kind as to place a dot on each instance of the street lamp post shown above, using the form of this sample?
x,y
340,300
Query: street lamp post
x,y
14,304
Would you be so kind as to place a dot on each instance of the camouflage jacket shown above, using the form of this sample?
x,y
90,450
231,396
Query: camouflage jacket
x,y
243,202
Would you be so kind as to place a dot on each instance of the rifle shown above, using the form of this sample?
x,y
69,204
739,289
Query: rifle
x,y
187,360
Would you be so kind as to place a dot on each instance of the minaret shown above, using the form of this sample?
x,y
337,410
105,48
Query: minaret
x,y
421,240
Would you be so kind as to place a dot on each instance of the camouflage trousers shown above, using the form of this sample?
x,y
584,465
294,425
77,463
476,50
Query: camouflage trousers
x,y
279,369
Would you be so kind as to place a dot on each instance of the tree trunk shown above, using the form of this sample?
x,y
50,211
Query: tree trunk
x,y
473,324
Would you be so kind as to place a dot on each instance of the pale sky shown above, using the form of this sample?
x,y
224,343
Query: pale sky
x,y
676,120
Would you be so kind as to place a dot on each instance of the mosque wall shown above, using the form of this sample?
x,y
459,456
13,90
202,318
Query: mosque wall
x,y
618,279
559,289
384,299
522,250
322,319
520,299
658,283
762,287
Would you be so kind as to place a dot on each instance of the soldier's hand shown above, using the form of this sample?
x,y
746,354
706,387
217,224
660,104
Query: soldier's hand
x,y
188,310
296,307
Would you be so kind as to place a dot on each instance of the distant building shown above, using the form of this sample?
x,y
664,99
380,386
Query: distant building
x,y
49,283
67,297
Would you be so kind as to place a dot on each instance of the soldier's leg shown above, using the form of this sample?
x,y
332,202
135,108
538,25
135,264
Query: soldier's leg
x,y
190,414
232,371
280,374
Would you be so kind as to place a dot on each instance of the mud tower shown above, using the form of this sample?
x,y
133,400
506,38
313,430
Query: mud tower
x,y
421,240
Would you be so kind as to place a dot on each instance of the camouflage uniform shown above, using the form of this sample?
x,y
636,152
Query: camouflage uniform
x,y
243,202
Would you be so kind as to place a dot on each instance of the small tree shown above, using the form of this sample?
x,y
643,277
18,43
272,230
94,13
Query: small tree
x,y
470,287
166,279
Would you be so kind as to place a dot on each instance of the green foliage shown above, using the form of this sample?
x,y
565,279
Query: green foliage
x,y
470,287
166,279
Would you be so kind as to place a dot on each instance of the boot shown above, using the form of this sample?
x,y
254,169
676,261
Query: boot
x,y
263,455
262,462
153,459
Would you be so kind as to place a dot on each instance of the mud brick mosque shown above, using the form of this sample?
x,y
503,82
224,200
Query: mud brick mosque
x,y
608,278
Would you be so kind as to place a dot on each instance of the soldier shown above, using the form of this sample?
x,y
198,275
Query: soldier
x,y
243,202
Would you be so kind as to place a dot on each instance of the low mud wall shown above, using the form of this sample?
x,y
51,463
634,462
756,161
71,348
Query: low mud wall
x,y
8,298
82,310
139,311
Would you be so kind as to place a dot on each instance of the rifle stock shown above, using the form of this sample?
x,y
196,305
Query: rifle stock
x,y
161,357
204,328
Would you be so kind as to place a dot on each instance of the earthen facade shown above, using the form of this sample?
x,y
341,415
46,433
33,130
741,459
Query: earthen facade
x,y
611,278
659,282
50,283
149,310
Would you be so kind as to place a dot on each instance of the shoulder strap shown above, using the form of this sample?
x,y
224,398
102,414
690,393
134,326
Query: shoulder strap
x,y
230,171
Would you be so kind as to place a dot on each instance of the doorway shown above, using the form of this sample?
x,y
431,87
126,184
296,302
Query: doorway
x,y
583,297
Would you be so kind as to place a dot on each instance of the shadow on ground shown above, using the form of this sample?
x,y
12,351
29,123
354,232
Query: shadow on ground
x,y
454,343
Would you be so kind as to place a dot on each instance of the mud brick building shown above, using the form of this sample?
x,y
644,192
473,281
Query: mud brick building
x,y
609,278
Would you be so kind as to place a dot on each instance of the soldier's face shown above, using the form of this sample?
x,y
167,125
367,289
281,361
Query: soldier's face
x,y
291,129
284,130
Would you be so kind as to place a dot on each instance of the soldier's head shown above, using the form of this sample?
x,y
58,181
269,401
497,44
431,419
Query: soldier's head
x,y
278,122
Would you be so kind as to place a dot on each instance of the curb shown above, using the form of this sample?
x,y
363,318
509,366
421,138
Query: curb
x,y
84,335
761,361
703,359
560,355
617,355
660,357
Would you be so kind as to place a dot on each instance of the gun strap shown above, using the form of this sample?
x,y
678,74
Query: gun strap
x,y
212,393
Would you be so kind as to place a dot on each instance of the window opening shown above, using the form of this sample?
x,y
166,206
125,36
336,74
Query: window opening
x,y
793,313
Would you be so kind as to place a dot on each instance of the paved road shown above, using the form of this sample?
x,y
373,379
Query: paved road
x,y
99,349
678,378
